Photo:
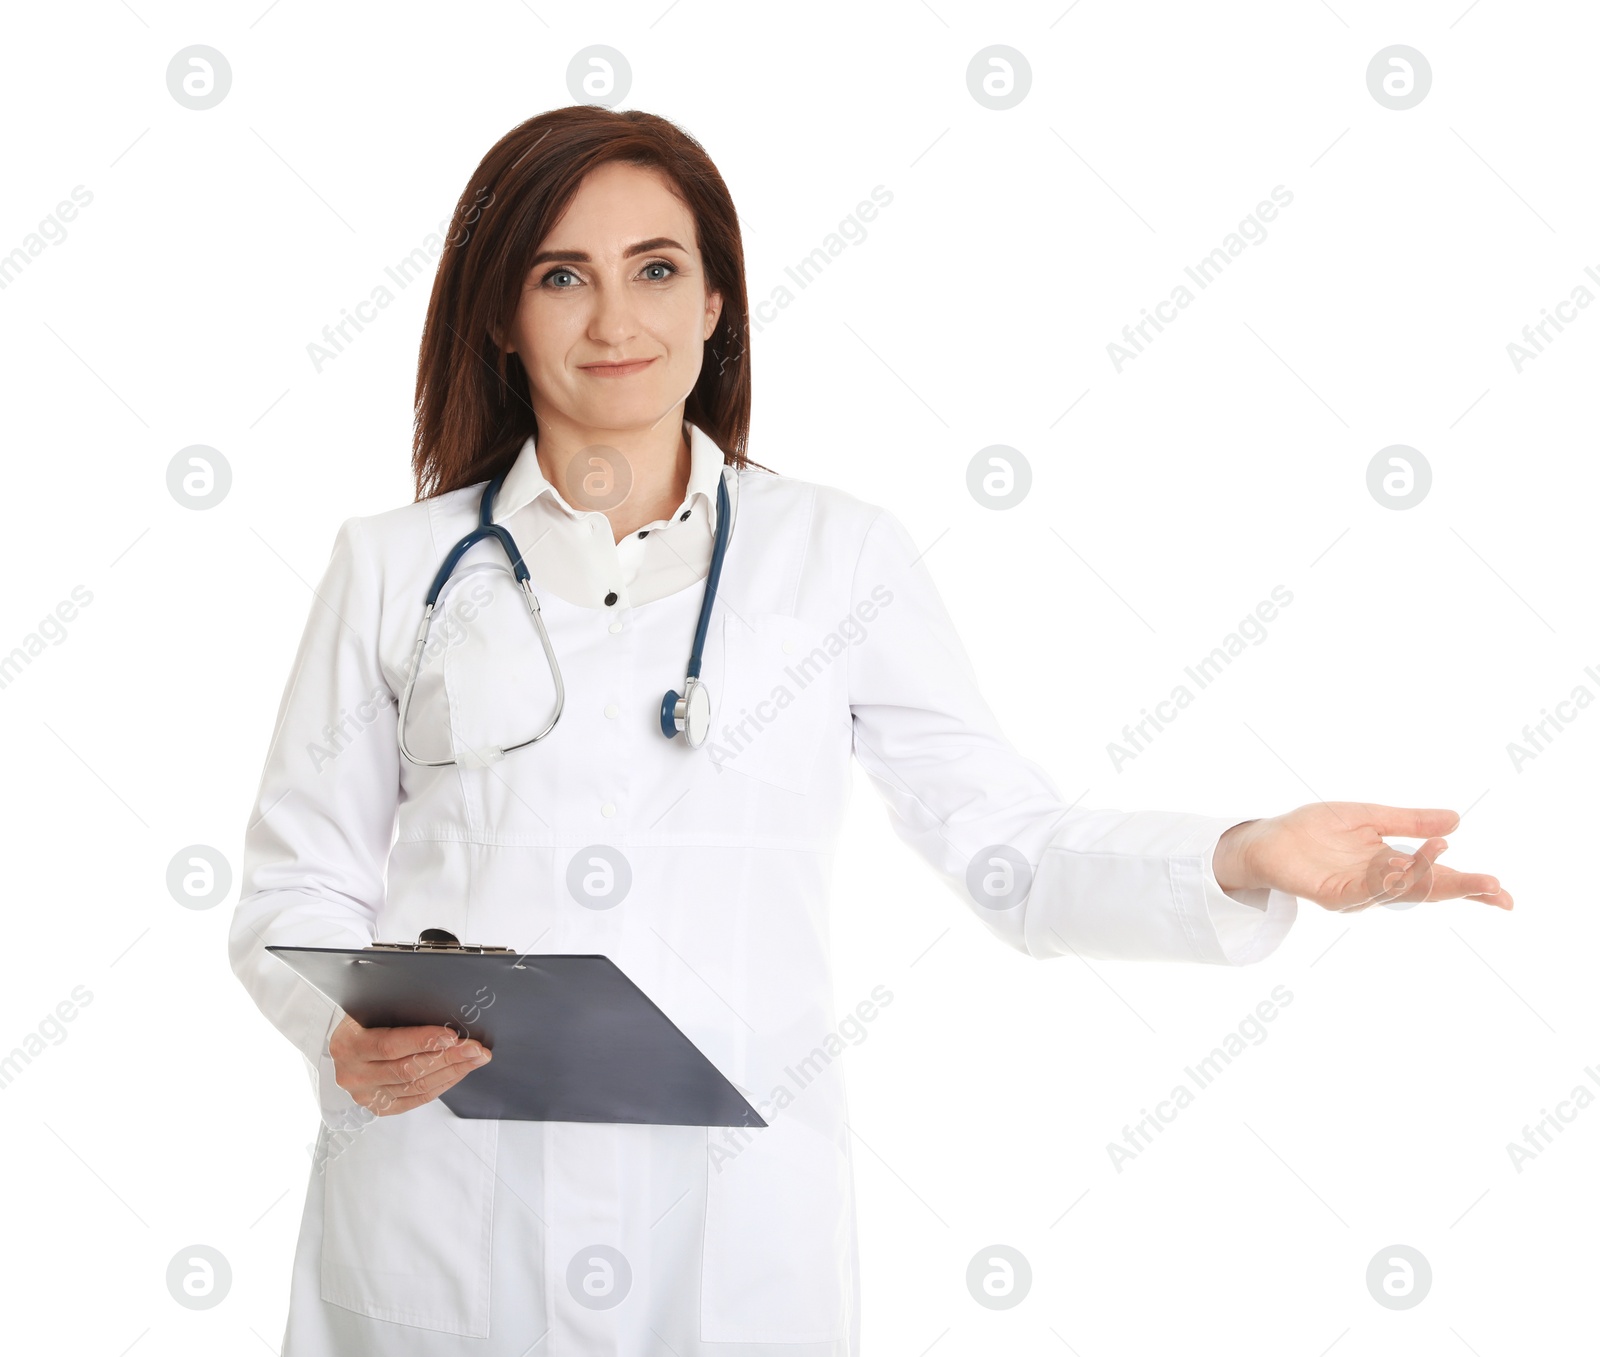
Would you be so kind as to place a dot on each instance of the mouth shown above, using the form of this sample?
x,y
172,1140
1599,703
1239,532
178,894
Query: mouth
x,y
626,369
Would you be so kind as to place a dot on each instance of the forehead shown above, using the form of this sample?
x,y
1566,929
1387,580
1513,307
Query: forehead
x,y
618,204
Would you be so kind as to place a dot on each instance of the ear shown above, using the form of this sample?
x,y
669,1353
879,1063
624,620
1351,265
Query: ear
x,y
713,314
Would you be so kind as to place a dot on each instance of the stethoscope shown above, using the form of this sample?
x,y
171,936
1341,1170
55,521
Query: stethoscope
x,y
688,713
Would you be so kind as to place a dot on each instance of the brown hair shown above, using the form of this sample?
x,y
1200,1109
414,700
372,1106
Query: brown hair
x,y
472,402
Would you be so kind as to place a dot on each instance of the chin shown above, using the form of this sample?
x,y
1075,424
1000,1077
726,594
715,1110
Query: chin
x,y
627,409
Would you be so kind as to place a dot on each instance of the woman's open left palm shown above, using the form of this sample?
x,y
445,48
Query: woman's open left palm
x,y
1333,853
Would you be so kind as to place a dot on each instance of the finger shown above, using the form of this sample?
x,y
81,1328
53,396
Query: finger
x,y
399,1105
1425,880
408,1069
394,1043
1406,823
437,1080
420,1088
1449,884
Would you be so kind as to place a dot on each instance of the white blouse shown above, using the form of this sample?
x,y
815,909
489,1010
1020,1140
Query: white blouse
x,y
572,552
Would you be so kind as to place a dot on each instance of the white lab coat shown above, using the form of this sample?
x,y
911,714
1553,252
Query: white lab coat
x,y
425,1233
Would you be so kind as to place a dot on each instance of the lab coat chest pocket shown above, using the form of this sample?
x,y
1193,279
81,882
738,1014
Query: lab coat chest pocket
x,y
470,636
775,699
408,1203
483,682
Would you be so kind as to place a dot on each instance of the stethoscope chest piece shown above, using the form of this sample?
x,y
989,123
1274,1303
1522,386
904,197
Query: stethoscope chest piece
x,y
690,713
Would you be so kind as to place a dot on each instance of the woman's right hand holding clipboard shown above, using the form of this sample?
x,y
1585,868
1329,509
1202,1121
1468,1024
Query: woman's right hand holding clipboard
x,y
393,1069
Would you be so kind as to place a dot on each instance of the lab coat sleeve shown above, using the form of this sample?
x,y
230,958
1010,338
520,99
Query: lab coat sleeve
x,y
322,824
1045,878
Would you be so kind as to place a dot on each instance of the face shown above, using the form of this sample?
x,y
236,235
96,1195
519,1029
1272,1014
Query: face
x,y
614,313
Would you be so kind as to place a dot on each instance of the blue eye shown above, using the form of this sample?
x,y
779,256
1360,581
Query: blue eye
x,y
553,273
661,264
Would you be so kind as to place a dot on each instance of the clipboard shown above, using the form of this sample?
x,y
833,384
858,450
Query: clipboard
x,y
574,1039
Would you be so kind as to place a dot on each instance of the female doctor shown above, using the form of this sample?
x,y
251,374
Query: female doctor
x,y
560,783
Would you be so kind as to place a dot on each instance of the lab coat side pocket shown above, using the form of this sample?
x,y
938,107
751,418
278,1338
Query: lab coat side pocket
x,y
407,1228
769,706
778,1236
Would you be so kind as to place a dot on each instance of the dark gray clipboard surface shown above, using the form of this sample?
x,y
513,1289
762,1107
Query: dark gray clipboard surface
x,y
574,1039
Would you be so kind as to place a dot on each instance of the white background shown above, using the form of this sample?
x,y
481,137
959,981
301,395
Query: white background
x,y
1228,458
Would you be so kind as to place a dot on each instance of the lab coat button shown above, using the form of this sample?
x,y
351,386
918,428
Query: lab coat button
x,y
611,598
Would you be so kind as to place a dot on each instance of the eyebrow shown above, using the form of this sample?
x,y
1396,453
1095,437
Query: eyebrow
x,y
580,257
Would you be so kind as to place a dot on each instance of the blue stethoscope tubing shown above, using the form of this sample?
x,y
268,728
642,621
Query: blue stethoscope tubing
x,y
687,714
691,712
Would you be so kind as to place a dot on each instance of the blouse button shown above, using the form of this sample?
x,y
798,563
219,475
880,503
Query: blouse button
x,y
683,515
611,709
616,626
645,533
608,810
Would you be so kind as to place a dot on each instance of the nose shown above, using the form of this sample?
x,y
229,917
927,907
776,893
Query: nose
x,y
614,321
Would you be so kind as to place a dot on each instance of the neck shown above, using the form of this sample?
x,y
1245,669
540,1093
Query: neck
x,y
632,475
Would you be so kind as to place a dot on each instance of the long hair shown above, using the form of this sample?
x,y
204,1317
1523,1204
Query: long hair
x,y
473,412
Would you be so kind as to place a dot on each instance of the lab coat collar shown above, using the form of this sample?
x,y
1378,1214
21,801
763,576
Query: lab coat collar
x,y
526,482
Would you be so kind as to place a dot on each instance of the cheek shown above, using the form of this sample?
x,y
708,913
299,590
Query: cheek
x,y
681,327
547,334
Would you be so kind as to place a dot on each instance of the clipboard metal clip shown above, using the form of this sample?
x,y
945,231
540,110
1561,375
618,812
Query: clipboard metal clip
x,y
437,940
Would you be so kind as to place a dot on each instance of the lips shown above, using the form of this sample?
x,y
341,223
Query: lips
x,y
623,369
